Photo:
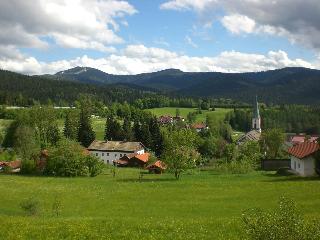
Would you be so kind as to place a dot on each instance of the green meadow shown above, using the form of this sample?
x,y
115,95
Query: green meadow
x,y
202,205
219,113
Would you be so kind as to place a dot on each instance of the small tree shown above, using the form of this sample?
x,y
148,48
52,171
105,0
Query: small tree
x,y
181,159
272,141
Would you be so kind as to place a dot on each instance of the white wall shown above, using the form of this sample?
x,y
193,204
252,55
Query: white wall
x,y
109,157
304,167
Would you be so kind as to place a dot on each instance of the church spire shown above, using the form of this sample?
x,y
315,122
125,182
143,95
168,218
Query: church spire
x,y
256,109
256,120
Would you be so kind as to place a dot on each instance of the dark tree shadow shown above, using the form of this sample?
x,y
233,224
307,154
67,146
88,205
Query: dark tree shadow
x,y
147,180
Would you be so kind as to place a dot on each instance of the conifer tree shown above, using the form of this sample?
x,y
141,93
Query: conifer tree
x,y
86,135
157,138
127,130
70,130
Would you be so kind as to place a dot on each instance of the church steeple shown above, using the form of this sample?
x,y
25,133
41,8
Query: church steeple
x,y
256,120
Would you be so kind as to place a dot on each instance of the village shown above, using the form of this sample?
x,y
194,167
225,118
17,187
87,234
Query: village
x,y
301,150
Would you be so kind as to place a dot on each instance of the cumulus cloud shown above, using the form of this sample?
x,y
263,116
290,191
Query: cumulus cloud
x,y
85,24
199,5
136,59
298,20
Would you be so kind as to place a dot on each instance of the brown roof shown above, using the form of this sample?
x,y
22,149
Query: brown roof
x,y
303,150
253,135
157,164
121,162
115,146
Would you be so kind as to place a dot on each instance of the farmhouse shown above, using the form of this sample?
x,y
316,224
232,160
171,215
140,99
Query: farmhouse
x,y
255,133
158,167
303,158
133,160
109,151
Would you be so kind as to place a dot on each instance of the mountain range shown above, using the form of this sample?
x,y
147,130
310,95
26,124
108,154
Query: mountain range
x,y
287,85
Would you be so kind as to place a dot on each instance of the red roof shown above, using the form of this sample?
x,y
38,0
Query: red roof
x,y
199,126
143,157
157,164
302,138
303,150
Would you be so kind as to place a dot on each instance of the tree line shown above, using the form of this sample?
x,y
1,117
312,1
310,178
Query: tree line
x,y
290,118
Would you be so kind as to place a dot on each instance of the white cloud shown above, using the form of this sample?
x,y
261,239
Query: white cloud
x,y
136,59
85,24
297,20
238,24
187,4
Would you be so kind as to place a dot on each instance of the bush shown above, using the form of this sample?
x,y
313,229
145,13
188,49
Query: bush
x,y
234,167
28,167
285,222
95,165
31,206
69,159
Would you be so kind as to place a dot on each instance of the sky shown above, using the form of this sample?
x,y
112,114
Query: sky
x,y
138,36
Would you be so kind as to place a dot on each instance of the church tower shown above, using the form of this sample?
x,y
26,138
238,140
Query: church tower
x,y
256,120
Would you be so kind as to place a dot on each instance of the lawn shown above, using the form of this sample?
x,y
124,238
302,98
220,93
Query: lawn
x,y
219,113
199,206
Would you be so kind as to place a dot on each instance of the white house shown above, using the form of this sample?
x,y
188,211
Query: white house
x,y
109,151
303,160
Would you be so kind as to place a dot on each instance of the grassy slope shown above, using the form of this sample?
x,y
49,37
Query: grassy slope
x,y
219,113
200,206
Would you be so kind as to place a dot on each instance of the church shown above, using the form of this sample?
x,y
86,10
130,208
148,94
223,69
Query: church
x,y
255,133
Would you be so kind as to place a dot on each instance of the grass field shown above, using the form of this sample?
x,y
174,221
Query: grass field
x,y
199,206
219,113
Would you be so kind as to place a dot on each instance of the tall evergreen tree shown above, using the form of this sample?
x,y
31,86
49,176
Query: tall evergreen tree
x,y
146,137
127,130
157,138
71,124
113,130
86,135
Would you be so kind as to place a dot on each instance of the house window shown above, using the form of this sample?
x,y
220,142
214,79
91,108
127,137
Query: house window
x,y
298,165
295,165
108,161
124,154
115,155
108,154
120,155
102,154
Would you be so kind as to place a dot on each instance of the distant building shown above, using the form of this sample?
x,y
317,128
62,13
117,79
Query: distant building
x,y
110,151
133,160
255,133
303,160
170,120
199,127
297,139
158,167
165,120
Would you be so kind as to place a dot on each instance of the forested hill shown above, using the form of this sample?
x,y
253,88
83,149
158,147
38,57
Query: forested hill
x,y
18,89
288,85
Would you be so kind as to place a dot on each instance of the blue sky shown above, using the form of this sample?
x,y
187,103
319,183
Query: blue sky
x,y
130,37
